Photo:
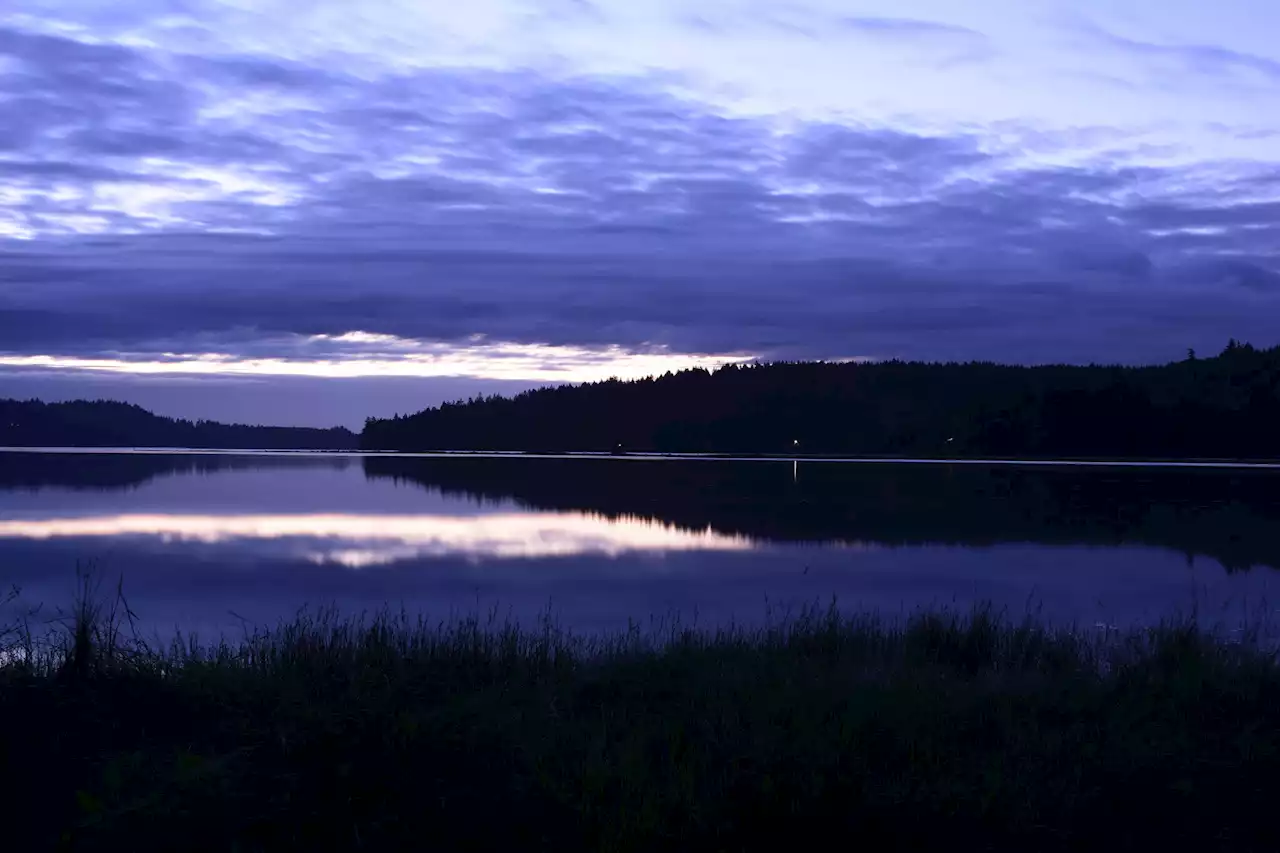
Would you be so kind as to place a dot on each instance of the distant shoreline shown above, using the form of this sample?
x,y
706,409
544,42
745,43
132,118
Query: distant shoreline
x,y
691,457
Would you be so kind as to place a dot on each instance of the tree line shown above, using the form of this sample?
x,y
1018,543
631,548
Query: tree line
x,y
1227,406
107,423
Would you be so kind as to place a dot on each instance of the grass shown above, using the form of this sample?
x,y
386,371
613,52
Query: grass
x,y
389,733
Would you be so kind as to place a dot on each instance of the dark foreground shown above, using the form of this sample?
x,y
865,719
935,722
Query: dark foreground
x,y
968,733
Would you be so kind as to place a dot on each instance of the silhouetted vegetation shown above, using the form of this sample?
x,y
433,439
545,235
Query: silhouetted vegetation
x,y
1230,516
946,732
1222,407
106,423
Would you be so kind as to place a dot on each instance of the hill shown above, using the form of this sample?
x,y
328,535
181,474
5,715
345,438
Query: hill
x,y
106,423
1227,406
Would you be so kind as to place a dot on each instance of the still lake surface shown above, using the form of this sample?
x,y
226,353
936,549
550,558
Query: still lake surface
x,y
207,541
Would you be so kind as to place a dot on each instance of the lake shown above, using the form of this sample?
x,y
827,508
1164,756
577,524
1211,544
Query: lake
x,y
209,542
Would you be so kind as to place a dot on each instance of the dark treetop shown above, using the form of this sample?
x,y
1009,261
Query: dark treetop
x,y
1224,407
103,423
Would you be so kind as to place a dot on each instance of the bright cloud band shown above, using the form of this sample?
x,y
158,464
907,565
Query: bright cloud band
x,y
388,356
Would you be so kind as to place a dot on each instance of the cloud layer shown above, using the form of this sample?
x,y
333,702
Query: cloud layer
x,y
168,191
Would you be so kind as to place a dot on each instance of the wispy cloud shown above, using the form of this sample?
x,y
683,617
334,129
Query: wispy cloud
x,y
908,27
1196,60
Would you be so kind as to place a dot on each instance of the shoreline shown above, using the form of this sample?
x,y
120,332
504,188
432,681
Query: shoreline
x,y
1242,464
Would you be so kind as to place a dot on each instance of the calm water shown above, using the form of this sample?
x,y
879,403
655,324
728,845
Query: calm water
x,y
204,541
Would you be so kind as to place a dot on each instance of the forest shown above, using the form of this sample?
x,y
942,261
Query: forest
x,y
1226,406
106,423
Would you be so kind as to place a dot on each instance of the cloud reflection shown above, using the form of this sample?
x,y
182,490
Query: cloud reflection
x,y
367,540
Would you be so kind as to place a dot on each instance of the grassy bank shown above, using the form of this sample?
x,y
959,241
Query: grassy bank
x,y
388,734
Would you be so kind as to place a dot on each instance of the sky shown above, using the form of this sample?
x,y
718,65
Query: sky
x,y
311,213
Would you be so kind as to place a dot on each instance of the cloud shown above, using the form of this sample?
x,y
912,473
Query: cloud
x,y
362,354
920,43
907,27
231,205
1194,60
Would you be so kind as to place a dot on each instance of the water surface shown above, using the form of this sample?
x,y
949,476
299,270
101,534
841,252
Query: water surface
x,y
211,541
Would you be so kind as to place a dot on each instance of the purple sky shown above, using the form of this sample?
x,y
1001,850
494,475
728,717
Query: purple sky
x,y
310,213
